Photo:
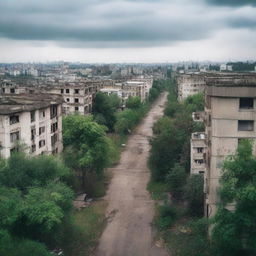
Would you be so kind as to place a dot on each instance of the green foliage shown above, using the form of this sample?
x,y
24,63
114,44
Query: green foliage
x,y
128,119
46,206
33,203
194,193
234,232
87,148
176,180
10,206
195,102
172,135
167,216
192,241
133,103
21,171
20,247
104,108
80,235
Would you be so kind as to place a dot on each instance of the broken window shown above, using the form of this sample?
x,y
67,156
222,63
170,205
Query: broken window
x,y
41,143
246,103
67,90
245,125
76,91
54,111
14,136
14,119
76,100
41,130
32,116
200,150
76,108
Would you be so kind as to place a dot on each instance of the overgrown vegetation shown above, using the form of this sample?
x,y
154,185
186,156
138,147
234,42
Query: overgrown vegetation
x,y
234,232
36,194
177,217
180,220
35,203
107,111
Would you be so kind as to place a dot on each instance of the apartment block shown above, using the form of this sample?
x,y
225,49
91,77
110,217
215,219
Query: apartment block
x,y
230,115
31,120
78,97
198,152
190,84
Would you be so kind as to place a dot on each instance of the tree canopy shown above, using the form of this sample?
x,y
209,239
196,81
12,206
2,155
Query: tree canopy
x,y
234,231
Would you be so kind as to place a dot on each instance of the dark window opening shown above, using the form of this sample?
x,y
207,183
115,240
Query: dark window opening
x,y
61,90
76,100
67,90
76,108
41,143
76,91
54,111
41,130
245,125
246,103
14,136
12,90
14,119
32,116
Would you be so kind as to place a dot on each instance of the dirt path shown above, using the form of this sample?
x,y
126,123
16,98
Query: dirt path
x,y
131,210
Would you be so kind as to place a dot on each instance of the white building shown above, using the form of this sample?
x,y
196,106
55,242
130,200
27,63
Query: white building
x,y
198,153
190,84
33,120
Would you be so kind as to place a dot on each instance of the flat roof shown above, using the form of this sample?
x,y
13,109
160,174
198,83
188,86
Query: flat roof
x,y
231,79
11,104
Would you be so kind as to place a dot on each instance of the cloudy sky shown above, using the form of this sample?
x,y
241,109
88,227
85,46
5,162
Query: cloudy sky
x,y
127,30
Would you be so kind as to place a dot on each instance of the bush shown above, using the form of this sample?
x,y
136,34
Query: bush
x,y
194,193
176,180
167,216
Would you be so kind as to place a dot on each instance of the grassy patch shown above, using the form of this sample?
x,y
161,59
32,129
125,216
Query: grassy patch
x,y
117,141
80,236
188,238
157,190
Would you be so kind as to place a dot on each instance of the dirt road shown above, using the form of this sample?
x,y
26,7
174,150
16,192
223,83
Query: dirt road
x,y
131,210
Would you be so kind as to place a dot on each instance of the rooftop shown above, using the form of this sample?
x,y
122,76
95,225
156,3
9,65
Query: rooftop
x,y
231,79
11,104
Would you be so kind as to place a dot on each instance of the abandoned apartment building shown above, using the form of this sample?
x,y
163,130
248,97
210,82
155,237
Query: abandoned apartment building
x,y
230,116
31,120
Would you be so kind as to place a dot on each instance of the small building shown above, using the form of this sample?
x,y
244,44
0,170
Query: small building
x,y
32,120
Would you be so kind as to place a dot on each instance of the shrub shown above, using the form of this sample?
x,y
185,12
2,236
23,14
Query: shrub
x,y
167,216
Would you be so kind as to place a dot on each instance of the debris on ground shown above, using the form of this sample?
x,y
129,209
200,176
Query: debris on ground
x,y
82,201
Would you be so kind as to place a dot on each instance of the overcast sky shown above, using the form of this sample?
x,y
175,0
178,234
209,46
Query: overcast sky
x,y
127,30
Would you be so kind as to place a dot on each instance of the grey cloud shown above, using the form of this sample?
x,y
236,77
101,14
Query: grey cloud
x,y
232,3
112,23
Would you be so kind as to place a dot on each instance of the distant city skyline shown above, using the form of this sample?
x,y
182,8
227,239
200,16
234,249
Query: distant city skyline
x,y
123,31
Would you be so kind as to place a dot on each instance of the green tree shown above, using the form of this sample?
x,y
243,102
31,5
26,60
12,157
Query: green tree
x,y
21,171
176,180
87,148
47,206
234,231
133,103
194,193
104,108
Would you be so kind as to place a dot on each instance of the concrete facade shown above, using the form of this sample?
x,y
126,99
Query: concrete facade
x,y
34,121
198,152
190,84
230,115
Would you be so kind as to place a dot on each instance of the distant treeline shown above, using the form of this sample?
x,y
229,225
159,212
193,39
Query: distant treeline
x,y
242,66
